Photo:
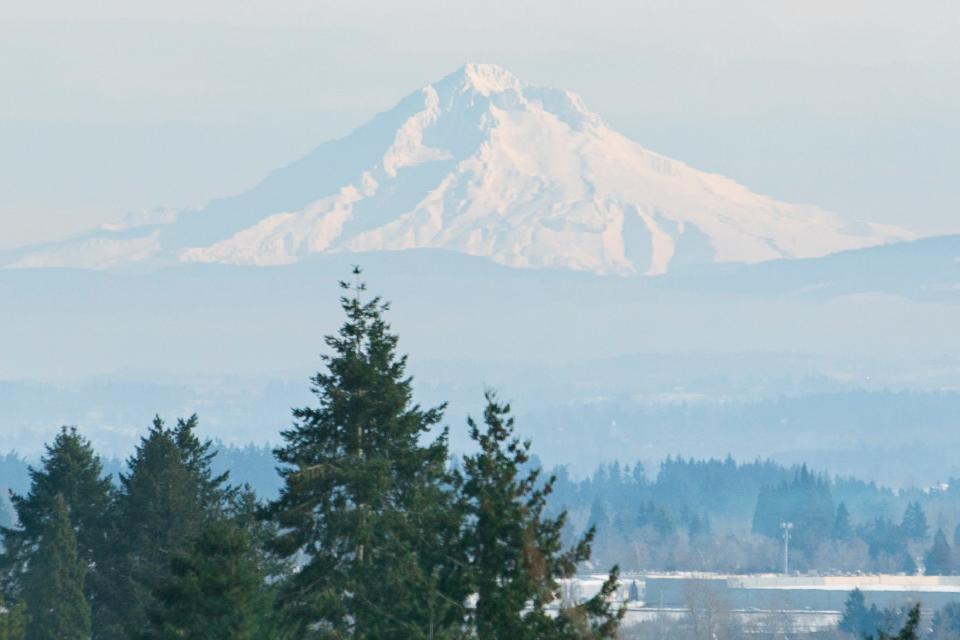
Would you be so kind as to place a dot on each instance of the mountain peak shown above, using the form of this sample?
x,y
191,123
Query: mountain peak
x,y
485,164
488,79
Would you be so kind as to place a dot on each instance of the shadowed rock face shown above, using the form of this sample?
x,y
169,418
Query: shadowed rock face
x,y
484,164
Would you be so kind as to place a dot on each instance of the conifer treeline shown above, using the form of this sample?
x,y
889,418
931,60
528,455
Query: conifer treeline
x,y
374,534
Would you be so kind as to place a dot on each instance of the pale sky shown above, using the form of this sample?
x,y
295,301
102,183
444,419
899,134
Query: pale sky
x,y
110,107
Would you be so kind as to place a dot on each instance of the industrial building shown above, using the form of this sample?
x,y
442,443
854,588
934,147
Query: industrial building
x,y
778,592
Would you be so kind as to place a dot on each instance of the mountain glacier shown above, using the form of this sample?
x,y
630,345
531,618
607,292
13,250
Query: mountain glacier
x,y
484,164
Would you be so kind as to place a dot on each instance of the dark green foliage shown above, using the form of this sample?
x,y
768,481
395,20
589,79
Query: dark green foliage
x,y
516,555
53,585
858,620
247,513
165,500
914,523
909,630
13,622
364,501
939,560
72,470
215,590
198,456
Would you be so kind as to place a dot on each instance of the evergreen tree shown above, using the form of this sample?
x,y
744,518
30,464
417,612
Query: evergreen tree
x,y
166,498
215,590
53,585
806,502
69,469
246,513
854,612
939,560
600,522
842,529
13,621
516,554
884,538
946,622
365,503
909,630
198,455
858,620
914,523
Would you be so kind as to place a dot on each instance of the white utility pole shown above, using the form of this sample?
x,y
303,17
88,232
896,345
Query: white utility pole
x,y
787,527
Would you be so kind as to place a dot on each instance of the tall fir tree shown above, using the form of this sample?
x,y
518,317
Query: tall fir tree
x,y
217,589
69,469
914,522
57,608
198,455
166,498
516,555
365,502
842,529
939,559
910,630
857,619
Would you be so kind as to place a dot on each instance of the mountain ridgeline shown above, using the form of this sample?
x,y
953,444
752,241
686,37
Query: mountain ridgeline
x,y
484,164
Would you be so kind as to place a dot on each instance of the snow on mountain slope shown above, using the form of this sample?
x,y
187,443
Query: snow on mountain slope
x,y
484,164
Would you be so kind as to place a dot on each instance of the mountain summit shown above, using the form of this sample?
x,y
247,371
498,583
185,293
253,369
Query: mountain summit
x,y
481,163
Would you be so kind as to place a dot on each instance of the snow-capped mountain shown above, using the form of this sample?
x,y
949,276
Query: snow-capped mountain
x,y
484,164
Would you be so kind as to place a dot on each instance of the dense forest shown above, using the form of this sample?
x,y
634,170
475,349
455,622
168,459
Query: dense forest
x,y
372,534
722,516
693,514
362,523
